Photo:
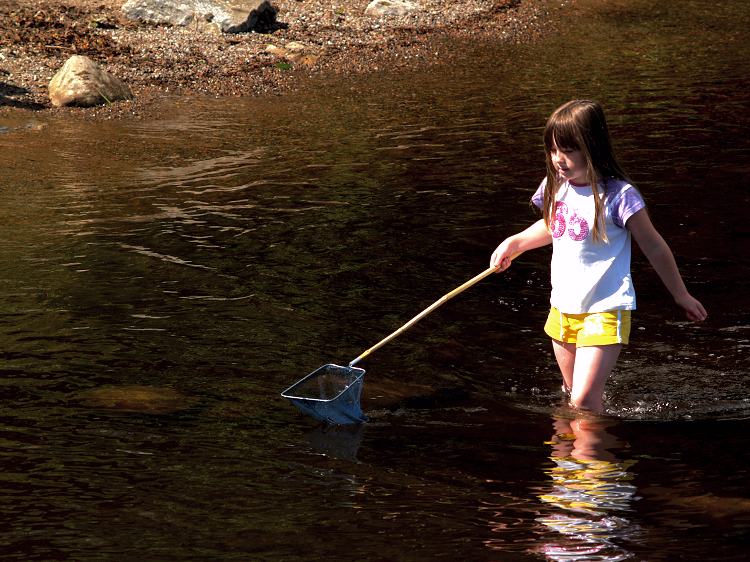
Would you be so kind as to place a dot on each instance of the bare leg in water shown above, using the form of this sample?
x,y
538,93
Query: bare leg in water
x,y
585,371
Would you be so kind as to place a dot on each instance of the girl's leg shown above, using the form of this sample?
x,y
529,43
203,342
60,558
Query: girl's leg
x,y
565,353
592,367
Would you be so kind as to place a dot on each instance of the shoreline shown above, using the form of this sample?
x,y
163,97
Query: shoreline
x,y
337,39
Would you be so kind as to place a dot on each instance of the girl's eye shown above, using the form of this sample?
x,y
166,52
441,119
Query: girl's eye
x,y
562,150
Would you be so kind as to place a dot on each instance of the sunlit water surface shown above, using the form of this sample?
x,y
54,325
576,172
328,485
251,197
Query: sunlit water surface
x,y
163,281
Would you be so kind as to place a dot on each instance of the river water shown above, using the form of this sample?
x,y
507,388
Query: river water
x,y
164,281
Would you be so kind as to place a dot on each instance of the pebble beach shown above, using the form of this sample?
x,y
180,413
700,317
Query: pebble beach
x,y
309,37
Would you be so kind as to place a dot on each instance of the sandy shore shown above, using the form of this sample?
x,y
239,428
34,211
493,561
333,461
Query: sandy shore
x,y
38,36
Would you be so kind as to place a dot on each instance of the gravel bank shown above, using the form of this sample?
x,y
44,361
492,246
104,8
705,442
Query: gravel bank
x,y
38,36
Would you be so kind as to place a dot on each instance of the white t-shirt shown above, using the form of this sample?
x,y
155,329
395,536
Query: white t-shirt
x,y
590,276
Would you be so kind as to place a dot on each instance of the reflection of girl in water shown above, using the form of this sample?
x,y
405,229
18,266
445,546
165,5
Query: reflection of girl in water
x,y
590,495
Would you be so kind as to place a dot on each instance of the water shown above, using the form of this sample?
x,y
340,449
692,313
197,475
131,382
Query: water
x,y
231,247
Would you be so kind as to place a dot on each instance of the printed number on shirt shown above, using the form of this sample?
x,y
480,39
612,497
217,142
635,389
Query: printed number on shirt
x,y
576,227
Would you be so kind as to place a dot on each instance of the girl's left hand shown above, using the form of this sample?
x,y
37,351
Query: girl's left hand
x,y
693,308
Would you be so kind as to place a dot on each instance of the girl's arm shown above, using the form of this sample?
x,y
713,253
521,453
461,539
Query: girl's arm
x,y
535,236
662,260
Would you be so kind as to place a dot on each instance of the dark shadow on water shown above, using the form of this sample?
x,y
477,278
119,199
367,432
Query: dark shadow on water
x,y
338,441
441,398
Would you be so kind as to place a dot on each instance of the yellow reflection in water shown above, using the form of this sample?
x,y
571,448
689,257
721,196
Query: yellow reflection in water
x,y
591,492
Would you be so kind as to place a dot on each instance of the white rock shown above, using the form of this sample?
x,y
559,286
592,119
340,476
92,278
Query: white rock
x,y
163,12
228,16
390,8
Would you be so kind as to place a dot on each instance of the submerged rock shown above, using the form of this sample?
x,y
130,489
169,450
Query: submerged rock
x,y
143,399
227,16
84,83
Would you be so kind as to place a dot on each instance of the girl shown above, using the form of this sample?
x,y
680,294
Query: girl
x,y
589,212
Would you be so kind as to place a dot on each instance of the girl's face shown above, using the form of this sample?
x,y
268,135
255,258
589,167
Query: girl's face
x,y
569,163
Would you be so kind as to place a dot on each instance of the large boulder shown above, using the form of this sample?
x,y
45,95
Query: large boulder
x,y
227,16
84,83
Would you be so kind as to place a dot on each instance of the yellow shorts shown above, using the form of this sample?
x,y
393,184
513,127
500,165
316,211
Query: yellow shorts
x,y
594,328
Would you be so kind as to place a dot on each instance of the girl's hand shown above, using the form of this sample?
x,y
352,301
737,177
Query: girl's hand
x,y
693,308
660,255
502,256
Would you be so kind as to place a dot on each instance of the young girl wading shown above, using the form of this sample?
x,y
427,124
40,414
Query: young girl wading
x,y
590,229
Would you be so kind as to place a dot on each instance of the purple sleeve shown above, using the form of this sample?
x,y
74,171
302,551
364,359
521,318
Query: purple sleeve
x,y
538,198
629,203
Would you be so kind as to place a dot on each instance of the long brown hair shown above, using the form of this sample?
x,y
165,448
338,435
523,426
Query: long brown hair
x,y
581,125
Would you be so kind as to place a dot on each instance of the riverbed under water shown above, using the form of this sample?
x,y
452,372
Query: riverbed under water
x,y
164,281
